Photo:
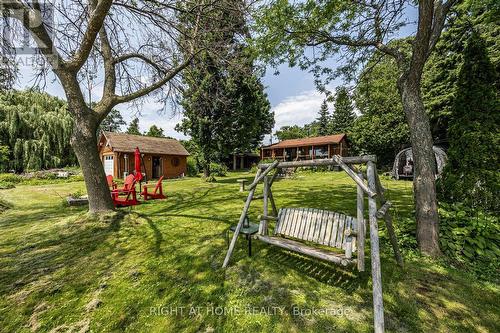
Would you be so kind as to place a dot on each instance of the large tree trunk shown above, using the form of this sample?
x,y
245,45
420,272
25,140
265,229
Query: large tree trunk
x,y
84,143
206,170
424,181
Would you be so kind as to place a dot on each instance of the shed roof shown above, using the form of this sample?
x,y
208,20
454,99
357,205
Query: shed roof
x,y
318,140
122,142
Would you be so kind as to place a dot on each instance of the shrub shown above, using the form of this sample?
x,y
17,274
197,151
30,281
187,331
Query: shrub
x,y
6,185
470,237
192,167
217,169
76,195
210,179
10,178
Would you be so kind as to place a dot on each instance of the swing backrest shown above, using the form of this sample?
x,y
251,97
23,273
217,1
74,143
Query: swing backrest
x,y
318,226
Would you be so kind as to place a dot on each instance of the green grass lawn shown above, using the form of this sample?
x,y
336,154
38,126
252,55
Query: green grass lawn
x,y
62,271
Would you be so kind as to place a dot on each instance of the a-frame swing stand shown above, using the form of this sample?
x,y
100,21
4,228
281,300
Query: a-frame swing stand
x,y
325,227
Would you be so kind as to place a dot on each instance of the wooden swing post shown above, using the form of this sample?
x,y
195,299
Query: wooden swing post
x,y
258,177
263,230
378,305
361,226
383,213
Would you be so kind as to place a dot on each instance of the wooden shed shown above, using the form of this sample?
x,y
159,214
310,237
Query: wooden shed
x,y
160,156
307,148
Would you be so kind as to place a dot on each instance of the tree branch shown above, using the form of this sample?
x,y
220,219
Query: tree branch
x,y
144,91
33,23
440,13
99,12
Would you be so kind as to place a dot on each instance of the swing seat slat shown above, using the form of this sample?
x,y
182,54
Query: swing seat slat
x,y
318,226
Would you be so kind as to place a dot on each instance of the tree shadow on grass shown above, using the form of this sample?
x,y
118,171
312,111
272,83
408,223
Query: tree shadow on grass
x,y
46,252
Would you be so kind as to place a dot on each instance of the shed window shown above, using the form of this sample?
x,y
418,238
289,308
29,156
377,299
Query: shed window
x,y
175,161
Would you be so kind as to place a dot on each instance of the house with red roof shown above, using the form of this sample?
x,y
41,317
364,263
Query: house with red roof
x,y
307,148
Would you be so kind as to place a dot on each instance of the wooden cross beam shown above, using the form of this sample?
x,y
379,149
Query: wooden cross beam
x,y
371,193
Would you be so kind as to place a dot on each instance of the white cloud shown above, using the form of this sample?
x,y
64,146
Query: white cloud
x,y
299,110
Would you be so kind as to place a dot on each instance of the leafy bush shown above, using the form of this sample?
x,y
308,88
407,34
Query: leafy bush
x,y
470,237
76,195
210,179
217,169
10,178
192,167
6,185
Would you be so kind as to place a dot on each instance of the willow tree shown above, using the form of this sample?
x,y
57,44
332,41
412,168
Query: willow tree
x,y
131,47
36,127
310,32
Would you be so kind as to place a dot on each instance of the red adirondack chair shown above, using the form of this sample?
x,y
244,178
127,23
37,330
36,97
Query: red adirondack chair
x,y
125,196
111,182
156,194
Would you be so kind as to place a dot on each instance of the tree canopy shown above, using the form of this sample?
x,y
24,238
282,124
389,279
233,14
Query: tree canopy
x,y
133,127
323,119
155,131
343,116
471,174
113,122
36,128
224,105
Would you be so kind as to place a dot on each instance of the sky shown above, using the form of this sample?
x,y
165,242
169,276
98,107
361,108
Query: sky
x,y
292,94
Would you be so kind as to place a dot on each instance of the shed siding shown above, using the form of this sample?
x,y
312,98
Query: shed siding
x,y
168,168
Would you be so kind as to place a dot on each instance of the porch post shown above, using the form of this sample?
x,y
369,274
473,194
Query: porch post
x,y
234,161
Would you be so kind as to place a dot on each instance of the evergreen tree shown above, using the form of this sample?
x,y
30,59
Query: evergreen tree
x,y
343,116
471,174
323,120
381,129
36,128
155,131
113,122
441,73
133,127
225,107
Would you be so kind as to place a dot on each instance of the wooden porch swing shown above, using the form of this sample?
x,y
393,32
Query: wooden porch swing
x,y
327,228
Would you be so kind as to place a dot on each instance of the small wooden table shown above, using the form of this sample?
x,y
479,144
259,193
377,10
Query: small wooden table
x,y
242,184
249,231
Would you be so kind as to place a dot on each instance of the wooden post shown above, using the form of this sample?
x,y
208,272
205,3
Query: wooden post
x,y
313,153
263,230
240,223
271,198
388,221
378,305
371,192
273,204
260,176
234,162
361,227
